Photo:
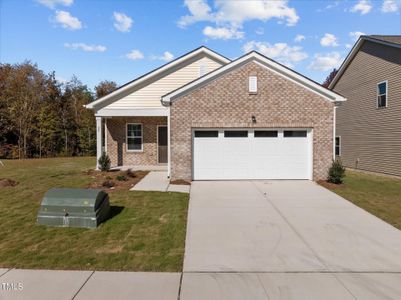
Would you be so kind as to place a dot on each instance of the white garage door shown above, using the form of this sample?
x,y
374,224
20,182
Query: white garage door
x,y
252,154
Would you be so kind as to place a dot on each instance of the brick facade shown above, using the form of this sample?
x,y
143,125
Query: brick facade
x,y
116,141
226,102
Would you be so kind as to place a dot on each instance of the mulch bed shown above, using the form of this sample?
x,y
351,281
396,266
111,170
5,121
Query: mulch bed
x,y
4,182
329,185
114,180
180,182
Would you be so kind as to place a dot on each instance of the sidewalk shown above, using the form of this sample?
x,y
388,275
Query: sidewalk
x,y
67,285
60,285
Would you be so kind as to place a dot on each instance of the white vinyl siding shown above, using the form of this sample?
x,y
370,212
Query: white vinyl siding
x,y
150,95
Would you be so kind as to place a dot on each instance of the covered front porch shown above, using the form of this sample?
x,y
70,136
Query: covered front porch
x,y
134,139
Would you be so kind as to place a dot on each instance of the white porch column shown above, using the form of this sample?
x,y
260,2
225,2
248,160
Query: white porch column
x,y
98,140
168,146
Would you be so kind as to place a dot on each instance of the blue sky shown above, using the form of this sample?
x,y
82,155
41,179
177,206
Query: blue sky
x,y
122,39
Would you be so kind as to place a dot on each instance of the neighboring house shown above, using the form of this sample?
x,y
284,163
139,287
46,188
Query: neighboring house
x,y
204,117
369,123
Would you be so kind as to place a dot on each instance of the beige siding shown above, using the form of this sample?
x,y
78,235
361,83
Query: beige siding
x,y
369,134
149,95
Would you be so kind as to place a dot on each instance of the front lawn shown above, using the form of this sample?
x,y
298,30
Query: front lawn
x,y
146,233
379,195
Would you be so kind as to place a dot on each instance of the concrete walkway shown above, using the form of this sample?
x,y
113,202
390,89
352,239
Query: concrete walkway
x,y
157,181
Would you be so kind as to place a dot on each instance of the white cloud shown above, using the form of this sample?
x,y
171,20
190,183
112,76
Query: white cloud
x,y
167,56
122,22
61,79
390,6
260,31
326,62
332,5
299,38
329,40
85,47
53,3
134,55
67,21
355,35
223,33
348,46
281,52
231,15
200,11
363,6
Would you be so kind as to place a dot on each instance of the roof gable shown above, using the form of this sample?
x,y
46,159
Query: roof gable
x,y
264,61
391,41
156,74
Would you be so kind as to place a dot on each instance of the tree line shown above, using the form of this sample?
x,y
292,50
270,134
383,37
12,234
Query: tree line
x,y
43,117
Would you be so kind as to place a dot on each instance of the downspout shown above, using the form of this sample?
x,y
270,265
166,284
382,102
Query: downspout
x,y
168,145
334,130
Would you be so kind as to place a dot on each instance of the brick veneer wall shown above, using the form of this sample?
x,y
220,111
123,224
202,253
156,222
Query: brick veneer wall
x,y
226,102
116,141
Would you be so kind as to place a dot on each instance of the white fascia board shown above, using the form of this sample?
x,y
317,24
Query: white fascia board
x,y
279,69
174,63
140,112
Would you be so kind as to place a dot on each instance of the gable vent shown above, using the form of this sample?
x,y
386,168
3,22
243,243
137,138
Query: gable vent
x,y
253,84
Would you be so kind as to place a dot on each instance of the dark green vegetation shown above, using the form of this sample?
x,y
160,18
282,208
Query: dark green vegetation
x,y
146,231
379,195
336,172
43,117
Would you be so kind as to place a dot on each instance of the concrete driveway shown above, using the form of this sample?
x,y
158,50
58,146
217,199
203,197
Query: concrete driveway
x,y
286,240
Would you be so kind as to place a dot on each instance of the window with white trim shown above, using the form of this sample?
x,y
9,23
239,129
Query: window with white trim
x,y
253,84
382,94
134,137
338,146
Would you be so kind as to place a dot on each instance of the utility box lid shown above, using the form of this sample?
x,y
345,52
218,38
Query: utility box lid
x,y
74,207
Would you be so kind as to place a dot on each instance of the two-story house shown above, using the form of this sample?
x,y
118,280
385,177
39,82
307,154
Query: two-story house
x,y
368,125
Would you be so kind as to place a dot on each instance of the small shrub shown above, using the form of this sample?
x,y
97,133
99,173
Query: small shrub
x,y
108,177
108,184
104,162
336,172
130,173
121,178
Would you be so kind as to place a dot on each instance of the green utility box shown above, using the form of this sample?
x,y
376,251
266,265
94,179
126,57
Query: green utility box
x,y
74,208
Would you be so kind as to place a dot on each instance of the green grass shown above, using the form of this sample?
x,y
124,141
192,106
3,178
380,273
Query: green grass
x,y
379,195
146,234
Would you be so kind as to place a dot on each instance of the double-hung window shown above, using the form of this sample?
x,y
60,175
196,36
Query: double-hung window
x,y
338,146
134,137
382,89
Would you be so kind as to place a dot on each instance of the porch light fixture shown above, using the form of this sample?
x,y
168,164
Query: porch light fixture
x,y
253,119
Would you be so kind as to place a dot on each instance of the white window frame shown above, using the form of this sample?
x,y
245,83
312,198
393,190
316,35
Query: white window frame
x,y
339,146
377,94
126,138
253,84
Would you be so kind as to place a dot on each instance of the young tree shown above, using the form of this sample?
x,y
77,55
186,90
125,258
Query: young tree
x,y
330,78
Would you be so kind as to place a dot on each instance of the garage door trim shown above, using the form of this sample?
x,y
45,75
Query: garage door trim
x,y
251,131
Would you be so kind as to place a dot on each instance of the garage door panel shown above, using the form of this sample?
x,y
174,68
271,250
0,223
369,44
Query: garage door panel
x,y
265,156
